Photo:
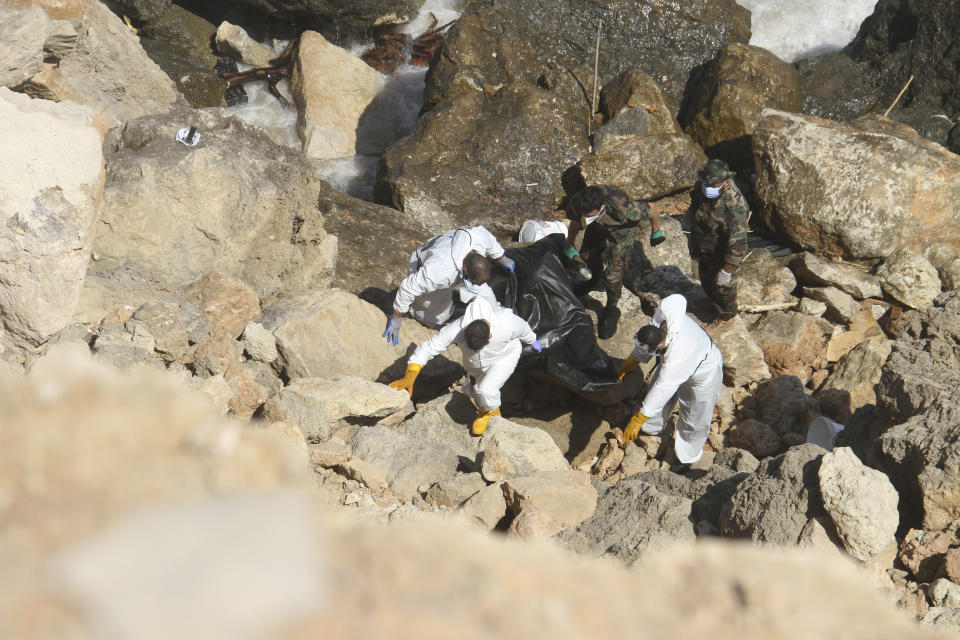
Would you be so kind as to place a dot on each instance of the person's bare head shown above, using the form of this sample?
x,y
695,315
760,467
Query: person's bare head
x,y
652,337
477,334
476,269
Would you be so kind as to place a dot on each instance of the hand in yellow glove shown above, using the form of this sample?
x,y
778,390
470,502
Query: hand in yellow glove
x,y
628,365
406,382
633,429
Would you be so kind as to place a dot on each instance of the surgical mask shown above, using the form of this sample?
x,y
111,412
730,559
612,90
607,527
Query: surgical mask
x,y
710,192
588,219
471,287
642,350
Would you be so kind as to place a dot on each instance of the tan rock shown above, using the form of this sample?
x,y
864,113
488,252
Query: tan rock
x,y
754,436
330,453
232,40
332,88
229,303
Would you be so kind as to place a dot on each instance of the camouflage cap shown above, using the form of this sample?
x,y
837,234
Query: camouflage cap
x,y
715,171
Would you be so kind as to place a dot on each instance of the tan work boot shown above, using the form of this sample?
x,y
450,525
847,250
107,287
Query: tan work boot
x,y
483,417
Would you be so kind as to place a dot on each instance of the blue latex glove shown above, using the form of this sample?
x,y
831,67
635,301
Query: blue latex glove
x,y
537,346
657,237
507,264
571,252
392,332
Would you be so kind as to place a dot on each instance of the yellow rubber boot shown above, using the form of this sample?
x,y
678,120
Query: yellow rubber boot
x,y
406,382
480,424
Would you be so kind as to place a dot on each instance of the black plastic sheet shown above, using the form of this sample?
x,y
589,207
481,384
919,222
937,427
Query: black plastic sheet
x,y
540,292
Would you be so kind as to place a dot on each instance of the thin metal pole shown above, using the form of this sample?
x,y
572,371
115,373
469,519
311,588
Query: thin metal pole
x,y
596,65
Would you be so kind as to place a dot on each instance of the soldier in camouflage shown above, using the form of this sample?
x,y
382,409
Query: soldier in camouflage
x,y
718,237
613,226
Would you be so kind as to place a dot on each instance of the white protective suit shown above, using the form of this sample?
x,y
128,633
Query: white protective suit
x,y
691,373
435,270
491,366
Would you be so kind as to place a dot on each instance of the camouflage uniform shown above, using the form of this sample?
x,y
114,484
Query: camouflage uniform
x,y
612,238
719,236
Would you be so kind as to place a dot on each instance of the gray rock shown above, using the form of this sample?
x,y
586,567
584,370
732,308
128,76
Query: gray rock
x,y
409,466
910,279
852,382
233,41
113,344
812,307
317,404
564,498
445,420
168,323
486,508
708,490
861,502
943,593
897,199
763,281
508,449
23,34
841,306
453,491
260,221
774,503
259,343
736,460
631,517
743,361
811,269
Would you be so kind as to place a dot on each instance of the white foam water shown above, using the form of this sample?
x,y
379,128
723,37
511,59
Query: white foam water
x,y
795,29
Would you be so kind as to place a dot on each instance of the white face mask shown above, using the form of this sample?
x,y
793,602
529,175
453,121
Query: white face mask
x,y
643,350
588,219
471,287
710,192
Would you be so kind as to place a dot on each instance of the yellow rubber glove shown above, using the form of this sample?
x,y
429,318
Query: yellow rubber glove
x,y
633,429
406,382
628,365
483,417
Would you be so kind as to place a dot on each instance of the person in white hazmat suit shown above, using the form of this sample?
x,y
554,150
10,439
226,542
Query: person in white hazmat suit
x,y
491,339
451,260
691,372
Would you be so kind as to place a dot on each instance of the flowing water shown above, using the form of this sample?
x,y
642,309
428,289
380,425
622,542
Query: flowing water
x,y
792,29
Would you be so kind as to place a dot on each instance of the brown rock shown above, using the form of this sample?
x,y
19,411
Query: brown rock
x,y
791,342
330,453
229,303
922,554
951,565
914,603
754,436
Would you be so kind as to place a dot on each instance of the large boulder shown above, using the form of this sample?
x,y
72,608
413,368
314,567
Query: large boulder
x,y
51,187
909,278
764,283
631,516
508,449
517,41
410,466
774,504
445,420
905,193
852,382
259,220
730,95
861,502
354,14
636,95
792,343
23,34
107,69
479,159
811,269
328,119
743,361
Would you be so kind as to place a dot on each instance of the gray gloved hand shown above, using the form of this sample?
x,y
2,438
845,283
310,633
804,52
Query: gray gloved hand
x,y
507,264
392,332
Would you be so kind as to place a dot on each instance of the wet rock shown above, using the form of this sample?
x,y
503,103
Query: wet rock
x,y
260,222
774,503
743,360
836,87
764,281
791,342
730,95
910,279
514,41
229,303
901,189
921,553
631,517
354,14
861,501
453,491
851,383
840,305
328,127
635,92
508,449
409,466
486,508
753,436
107,70
811,269
259,343
318,404
233,41
23,34
510,151
564,499
647,167
51,185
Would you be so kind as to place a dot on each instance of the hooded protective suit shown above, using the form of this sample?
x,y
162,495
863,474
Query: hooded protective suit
x,y
692,368
492,365
435,269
